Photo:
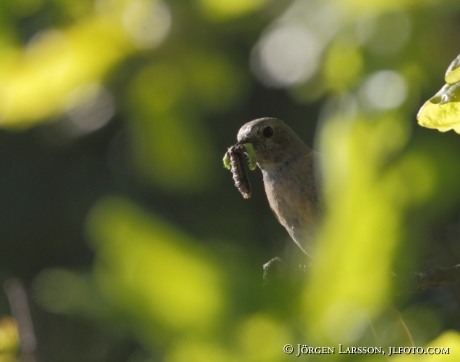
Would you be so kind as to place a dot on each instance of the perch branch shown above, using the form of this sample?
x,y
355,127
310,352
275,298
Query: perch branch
x,y
419,281
277,270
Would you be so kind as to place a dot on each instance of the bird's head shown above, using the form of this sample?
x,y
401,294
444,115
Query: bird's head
x,y
273,141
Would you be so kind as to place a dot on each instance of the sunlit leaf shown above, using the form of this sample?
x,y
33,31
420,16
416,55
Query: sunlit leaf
x,y
35,81
42,76
453,72
442,111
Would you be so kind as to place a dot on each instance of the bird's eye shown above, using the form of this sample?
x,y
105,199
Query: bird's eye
x,y
268,131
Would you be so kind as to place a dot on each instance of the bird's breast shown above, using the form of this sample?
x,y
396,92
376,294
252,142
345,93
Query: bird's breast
x,y
291,193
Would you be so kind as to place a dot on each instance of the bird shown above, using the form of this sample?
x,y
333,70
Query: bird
x,y
289,171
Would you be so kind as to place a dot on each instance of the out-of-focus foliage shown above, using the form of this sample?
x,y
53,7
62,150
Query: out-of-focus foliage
x,y
36,80
166,102
125,108
132,248
442,110
227,9
364,222
450,338
9,341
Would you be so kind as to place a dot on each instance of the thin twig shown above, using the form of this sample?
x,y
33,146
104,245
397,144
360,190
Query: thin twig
x,y
419,281
19,305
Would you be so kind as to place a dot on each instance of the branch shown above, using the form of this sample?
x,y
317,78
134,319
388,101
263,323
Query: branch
x,y
276,270
418,281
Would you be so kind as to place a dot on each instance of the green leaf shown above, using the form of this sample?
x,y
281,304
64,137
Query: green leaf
x,y
442,111
453,72
160,278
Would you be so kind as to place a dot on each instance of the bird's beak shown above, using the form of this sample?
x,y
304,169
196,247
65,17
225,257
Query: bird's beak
x,y
246,140
246,135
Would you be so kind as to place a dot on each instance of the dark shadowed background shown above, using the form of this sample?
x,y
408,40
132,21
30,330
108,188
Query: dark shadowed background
x,y
128,236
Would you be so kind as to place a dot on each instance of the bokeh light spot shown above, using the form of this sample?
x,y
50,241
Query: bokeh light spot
x,y
384,90
388,33
90,107
147,22
285,56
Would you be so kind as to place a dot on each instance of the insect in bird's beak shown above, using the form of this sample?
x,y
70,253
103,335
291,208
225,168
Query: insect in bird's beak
x,y
233,160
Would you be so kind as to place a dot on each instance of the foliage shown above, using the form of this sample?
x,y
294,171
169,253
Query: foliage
x,y
441,111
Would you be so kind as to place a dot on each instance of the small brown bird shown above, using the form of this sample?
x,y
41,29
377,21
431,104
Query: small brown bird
x,y
288,169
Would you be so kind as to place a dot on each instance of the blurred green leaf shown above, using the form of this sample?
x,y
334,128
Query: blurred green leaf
x,y
172,151
351,276
43,75
161,279
342,66
449,340
9,339
215,80
63,291
168,98
227,9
